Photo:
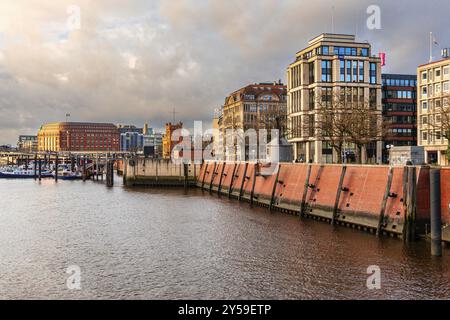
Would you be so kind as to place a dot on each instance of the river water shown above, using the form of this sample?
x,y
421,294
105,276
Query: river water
x,y
137,243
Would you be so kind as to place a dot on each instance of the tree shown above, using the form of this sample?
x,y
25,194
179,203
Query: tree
x,y
441,121
332,122
345,117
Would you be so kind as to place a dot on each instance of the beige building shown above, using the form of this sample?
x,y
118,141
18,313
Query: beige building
x,y
330,64
256,106
432,101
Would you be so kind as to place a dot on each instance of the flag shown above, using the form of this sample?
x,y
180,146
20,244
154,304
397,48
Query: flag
x,y
435,41
382,56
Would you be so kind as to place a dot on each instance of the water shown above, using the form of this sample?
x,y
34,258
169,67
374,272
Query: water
x,y
150,244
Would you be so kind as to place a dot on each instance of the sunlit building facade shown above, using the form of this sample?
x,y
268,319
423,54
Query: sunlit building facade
x,y
78,137
330,64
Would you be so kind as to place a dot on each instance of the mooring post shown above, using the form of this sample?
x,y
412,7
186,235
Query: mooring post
x,y
84,169
230,189
275,184
435,208
410,221
205,164
384,202
212,177
35,166
305,191
186,175
241,190
40,169
56,168
338,195
109,174
219,190
252,195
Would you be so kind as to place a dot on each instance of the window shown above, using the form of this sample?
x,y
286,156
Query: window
x,y
373,73
325,50
365,52
438,73
312,99
424,136
312,77
326,71
342,70
348,76
327,96
424,120
446,86
424,105
355,70
373,99
424,91
438,135
424,76
446,71
437,88
361,71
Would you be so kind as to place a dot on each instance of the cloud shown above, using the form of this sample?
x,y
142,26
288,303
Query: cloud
x,y
134,61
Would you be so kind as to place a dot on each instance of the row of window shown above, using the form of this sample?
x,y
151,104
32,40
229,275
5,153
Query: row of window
x,y
401,119
400,107
437,89
432,136
430,105
435,73
431,119
399,82
399,94
351,71
401,132
331,95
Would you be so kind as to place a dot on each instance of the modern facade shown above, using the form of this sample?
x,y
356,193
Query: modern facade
x,y
127,128
78,137
399,112
433,110
131,142
331,65
27,143
154,140
256,106
167,142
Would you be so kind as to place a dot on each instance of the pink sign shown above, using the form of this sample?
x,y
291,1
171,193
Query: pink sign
x,y
383,58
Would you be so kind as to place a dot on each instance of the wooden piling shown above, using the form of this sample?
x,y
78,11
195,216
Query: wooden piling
x,y
305,192
275,184
384,202
338,195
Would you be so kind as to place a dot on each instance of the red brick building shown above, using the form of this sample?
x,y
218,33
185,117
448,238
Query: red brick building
x,y
78,136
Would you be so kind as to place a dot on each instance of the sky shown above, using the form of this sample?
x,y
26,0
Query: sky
x,y
135,61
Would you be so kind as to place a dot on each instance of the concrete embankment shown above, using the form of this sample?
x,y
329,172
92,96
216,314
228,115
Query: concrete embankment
x,y
379,199
149,172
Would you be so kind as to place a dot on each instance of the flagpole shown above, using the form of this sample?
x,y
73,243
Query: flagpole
x,y
431,47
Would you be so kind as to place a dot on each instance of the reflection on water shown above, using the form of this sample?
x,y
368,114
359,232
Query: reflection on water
x,y
150,244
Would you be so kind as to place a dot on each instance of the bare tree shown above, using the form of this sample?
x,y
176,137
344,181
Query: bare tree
x,y
332,122
343,119
441,121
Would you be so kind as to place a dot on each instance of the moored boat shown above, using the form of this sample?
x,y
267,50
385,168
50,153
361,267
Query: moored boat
x,y
20,173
